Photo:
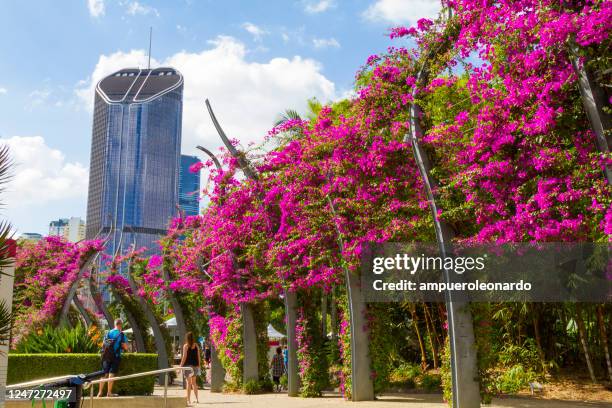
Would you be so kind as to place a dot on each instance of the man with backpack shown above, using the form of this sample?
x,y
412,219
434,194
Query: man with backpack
x,y
114,343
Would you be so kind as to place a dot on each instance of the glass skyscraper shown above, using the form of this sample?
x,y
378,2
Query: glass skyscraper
x,y
135,157
189,186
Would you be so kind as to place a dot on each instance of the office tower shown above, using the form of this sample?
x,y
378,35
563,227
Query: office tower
x,y
135,154
189,186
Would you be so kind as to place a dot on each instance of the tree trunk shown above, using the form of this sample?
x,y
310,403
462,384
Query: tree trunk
x,y
584,341
538,338
603,335
431,332
415,323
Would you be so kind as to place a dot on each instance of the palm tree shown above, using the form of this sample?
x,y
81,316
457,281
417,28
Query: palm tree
x,y
5,227
5,235
6,321
314,107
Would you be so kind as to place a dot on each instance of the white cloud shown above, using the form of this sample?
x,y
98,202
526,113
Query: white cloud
x,y
247,96
314,7
401,11
38,97
41,173
3,91
321,43
255,31
96,7
134,8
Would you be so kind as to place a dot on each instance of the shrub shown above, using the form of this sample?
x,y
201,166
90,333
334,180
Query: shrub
x,y
405,375
514,379
28,367
251,387
61,340
431,382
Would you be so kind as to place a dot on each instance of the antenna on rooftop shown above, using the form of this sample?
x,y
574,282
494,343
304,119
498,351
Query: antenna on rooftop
x,y
150,40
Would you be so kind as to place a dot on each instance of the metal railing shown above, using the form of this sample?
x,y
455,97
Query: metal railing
x,y
43,381
90,384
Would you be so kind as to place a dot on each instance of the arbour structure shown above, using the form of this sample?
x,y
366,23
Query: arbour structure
x,y
493,164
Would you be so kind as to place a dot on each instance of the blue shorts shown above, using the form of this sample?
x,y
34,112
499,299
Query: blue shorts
x,y
111,367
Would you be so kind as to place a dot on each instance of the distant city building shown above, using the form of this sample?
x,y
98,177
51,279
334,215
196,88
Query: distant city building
x,y
189,186
31,236
57,227
135,155
73,228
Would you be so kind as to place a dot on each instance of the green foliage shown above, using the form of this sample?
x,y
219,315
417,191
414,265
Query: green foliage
x,y
251,387
381,345
312,359
6,321
28,367
445,374
404,376
260,312
51,339
525,355
431,382
514,379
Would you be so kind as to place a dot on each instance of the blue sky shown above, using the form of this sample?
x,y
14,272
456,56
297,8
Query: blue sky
x,y
253,59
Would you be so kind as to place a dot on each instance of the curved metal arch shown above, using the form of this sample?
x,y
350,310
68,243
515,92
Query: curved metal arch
x,y
242,161
73,288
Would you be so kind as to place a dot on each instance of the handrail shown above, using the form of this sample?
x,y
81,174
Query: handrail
x,y
43,381
137,375
126,377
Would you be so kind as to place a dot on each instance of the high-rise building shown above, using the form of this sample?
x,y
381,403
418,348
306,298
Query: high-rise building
x,y
73,228
189,186
58,227
135,155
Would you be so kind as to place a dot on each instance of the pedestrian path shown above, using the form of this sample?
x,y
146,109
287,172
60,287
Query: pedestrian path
x,y
216,400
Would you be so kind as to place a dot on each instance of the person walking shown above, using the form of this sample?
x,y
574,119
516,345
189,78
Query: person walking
x,y
191,358
114,343
278,368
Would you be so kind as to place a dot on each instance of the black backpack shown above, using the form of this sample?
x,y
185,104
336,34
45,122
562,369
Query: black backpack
x,y
109,348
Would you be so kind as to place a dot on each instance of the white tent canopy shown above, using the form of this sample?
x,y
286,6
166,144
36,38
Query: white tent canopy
x,y
274,334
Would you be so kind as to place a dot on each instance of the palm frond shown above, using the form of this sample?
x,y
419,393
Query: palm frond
x,y
5,227
6,321
286,116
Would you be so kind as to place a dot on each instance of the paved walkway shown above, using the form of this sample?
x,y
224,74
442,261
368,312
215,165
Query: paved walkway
x,y
208,400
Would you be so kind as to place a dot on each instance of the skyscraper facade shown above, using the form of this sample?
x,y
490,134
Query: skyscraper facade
x,y
189,186
135,157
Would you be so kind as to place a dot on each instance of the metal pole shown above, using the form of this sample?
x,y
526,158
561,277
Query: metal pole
x,y
166,391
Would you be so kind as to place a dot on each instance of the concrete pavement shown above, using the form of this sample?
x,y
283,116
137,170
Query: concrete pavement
x,y
208,400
